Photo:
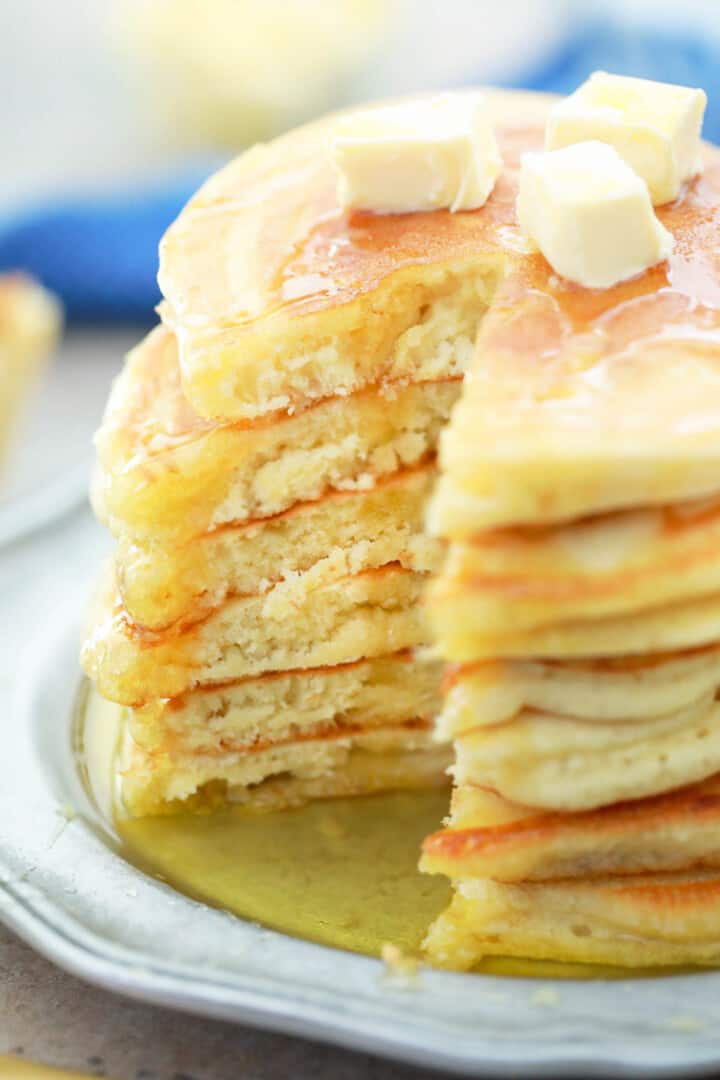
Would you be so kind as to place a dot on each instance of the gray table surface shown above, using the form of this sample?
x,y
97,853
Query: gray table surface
x,y
48,1016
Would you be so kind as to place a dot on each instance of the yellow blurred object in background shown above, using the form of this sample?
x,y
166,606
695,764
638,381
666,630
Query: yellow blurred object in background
x,y
14,1069
29,327
230,72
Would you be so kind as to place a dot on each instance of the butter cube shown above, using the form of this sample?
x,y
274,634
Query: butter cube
x,y
424,155
655,127
590,214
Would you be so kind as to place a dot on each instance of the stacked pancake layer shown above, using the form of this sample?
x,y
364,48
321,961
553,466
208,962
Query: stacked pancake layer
x,y
579,607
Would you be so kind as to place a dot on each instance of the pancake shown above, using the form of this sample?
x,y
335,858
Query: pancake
x,y
461,634
556,763
338,534
624,408
650,921
489,838
30,320
353,618
278,298
367,693
610,565
622,689
604,550
165,475
271,776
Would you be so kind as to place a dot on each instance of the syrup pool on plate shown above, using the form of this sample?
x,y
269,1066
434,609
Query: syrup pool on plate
x,y
339,872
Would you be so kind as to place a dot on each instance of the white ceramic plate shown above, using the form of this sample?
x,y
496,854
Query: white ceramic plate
x,y
66,890
48,467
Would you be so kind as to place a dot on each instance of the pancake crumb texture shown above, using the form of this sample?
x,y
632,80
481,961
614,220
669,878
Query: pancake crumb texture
x,y
338,534
164,474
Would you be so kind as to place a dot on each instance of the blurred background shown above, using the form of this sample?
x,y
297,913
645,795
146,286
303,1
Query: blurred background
x,y
112,111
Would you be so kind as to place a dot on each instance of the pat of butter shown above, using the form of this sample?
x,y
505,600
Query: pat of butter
x,y
590,214
424,155
655,127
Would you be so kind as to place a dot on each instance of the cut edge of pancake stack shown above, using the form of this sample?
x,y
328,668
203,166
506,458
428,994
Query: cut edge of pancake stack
x,y
269,658
265,472
259,619
579,610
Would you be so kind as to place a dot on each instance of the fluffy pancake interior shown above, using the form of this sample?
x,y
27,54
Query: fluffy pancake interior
x,y
345,531
318,765
165,474
314,301
364,615
368,693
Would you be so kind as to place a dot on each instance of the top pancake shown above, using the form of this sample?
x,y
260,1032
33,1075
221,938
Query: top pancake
x,y
581,400
278,297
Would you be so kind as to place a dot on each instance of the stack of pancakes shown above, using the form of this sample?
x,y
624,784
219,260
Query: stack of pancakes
x,y
264,463
579,607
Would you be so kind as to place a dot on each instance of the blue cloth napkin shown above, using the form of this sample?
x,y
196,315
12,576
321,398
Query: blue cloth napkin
x,y
627,49
100,256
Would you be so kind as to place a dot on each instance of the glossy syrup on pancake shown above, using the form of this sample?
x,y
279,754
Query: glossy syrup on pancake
x,y
352,862
343,254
